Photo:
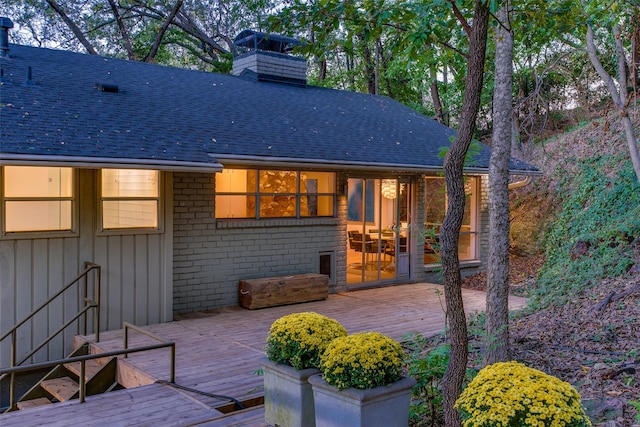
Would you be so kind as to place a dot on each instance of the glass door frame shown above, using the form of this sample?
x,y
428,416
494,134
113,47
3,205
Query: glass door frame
x,y
375,235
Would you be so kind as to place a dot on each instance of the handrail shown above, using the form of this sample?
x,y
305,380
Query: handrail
x,y
128,326
82,359
89,304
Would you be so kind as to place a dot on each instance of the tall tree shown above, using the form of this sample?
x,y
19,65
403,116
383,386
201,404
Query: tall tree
x,y
188,33
497,311
450,230
618,92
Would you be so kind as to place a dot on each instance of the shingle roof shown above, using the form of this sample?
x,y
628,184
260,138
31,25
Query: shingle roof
x,y
182,116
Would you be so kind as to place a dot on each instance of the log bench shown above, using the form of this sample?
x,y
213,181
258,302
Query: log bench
x,y
275,291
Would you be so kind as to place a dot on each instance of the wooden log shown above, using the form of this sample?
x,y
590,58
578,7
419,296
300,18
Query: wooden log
x,y
275,291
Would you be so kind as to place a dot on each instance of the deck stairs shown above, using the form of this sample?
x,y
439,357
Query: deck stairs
x,y
62,383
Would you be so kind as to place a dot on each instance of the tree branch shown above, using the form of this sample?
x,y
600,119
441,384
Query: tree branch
x,y
622,69
185,23
165,25
455,49
123,31
595,61
461,18
73,27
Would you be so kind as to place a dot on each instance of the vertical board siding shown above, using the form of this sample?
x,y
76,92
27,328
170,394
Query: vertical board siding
x,y
134,264
32,270
134,279
23,294
141,276
7,295
40,289
71,266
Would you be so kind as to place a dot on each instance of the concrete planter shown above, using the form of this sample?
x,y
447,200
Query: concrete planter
x,y
386,406
288,397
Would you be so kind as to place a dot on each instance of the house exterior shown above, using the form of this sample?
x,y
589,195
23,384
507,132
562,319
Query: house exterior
x,y
180,183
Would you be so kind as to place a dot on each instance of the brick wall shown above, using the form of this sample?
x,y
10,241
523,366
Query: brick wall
x,y
210,257
483,221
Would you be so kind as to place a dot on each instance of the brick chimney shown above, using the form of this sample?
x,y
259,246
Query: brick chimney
x,y
267,57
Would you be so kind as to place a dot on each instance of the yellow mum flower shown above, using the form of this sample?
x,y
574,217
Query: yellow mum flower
x,y
299,338
511,394
364,360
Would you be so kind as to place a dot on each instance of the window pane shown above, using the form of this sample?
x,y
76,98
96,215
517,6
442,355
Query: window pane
x,y
129,214
277,206
129,183
317,182
469,203
34,181
235,206
316,206
236,181
435,201
467,246
38,215
272,181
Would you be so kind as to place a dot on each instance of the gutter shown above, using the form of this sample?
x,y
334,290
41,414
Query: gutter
x,y
243,160
526,181
107,162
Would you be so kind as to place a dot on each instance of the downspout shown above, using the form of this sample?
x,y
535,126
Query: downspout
x,y
521,183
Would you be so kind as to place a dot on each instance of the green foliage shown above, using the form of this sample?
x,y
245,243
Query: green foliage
x,y
428,368
636,405
600,208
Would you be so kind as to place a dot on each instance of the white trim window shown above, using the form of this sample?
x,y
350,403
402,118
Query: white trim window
x,y
436,208
130,199
37,199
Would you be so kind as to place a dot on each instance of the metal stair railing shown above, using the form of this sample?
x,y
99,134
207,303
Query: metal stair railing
x,y
167,343
82,359
88,305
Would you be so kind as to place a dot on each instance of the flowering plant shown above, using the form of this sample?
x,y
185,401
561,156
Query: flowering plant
x,y
510,394
364,360
298,339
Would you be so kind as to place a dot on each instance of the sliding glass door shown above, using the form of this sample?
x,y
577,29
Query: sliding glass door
x,y
377,230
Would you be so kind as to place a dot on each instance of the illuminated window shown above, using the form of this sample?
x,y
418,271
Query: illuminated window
x,y
242,193
130,198
37,199
435,210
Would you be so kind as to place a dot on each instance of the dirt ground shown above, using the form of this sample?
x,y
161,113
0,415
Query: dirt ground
x,y
593,342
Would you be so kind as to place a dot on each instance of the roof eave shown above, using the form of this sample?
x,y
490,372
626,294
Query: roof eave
x,y
107,162
244,160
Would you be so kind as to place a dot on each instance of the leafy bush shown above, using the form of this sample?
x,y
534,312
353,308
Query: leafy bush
x,y
298,339
509,394
601,208
364,360
427,367
636,405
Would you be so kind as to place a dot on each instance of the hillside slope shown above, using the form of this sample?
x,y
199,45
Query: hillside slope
x,y
583,219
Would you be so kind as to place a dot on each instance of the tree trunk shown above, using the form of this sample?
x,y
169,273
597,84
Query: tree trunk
x,y
435,95
619,98
450,232
369,66
635,51
385,64
497,312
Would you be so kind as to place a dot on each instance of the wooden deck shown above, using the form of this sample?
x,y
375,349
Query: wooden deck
x,y
218,353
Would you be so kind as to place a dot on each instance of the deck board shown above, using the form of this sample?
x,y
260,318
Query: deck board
x,y
218,352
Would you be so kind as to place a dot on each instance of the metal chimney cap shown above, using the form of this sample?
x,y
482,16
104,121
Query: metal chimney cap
x,y
5,22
